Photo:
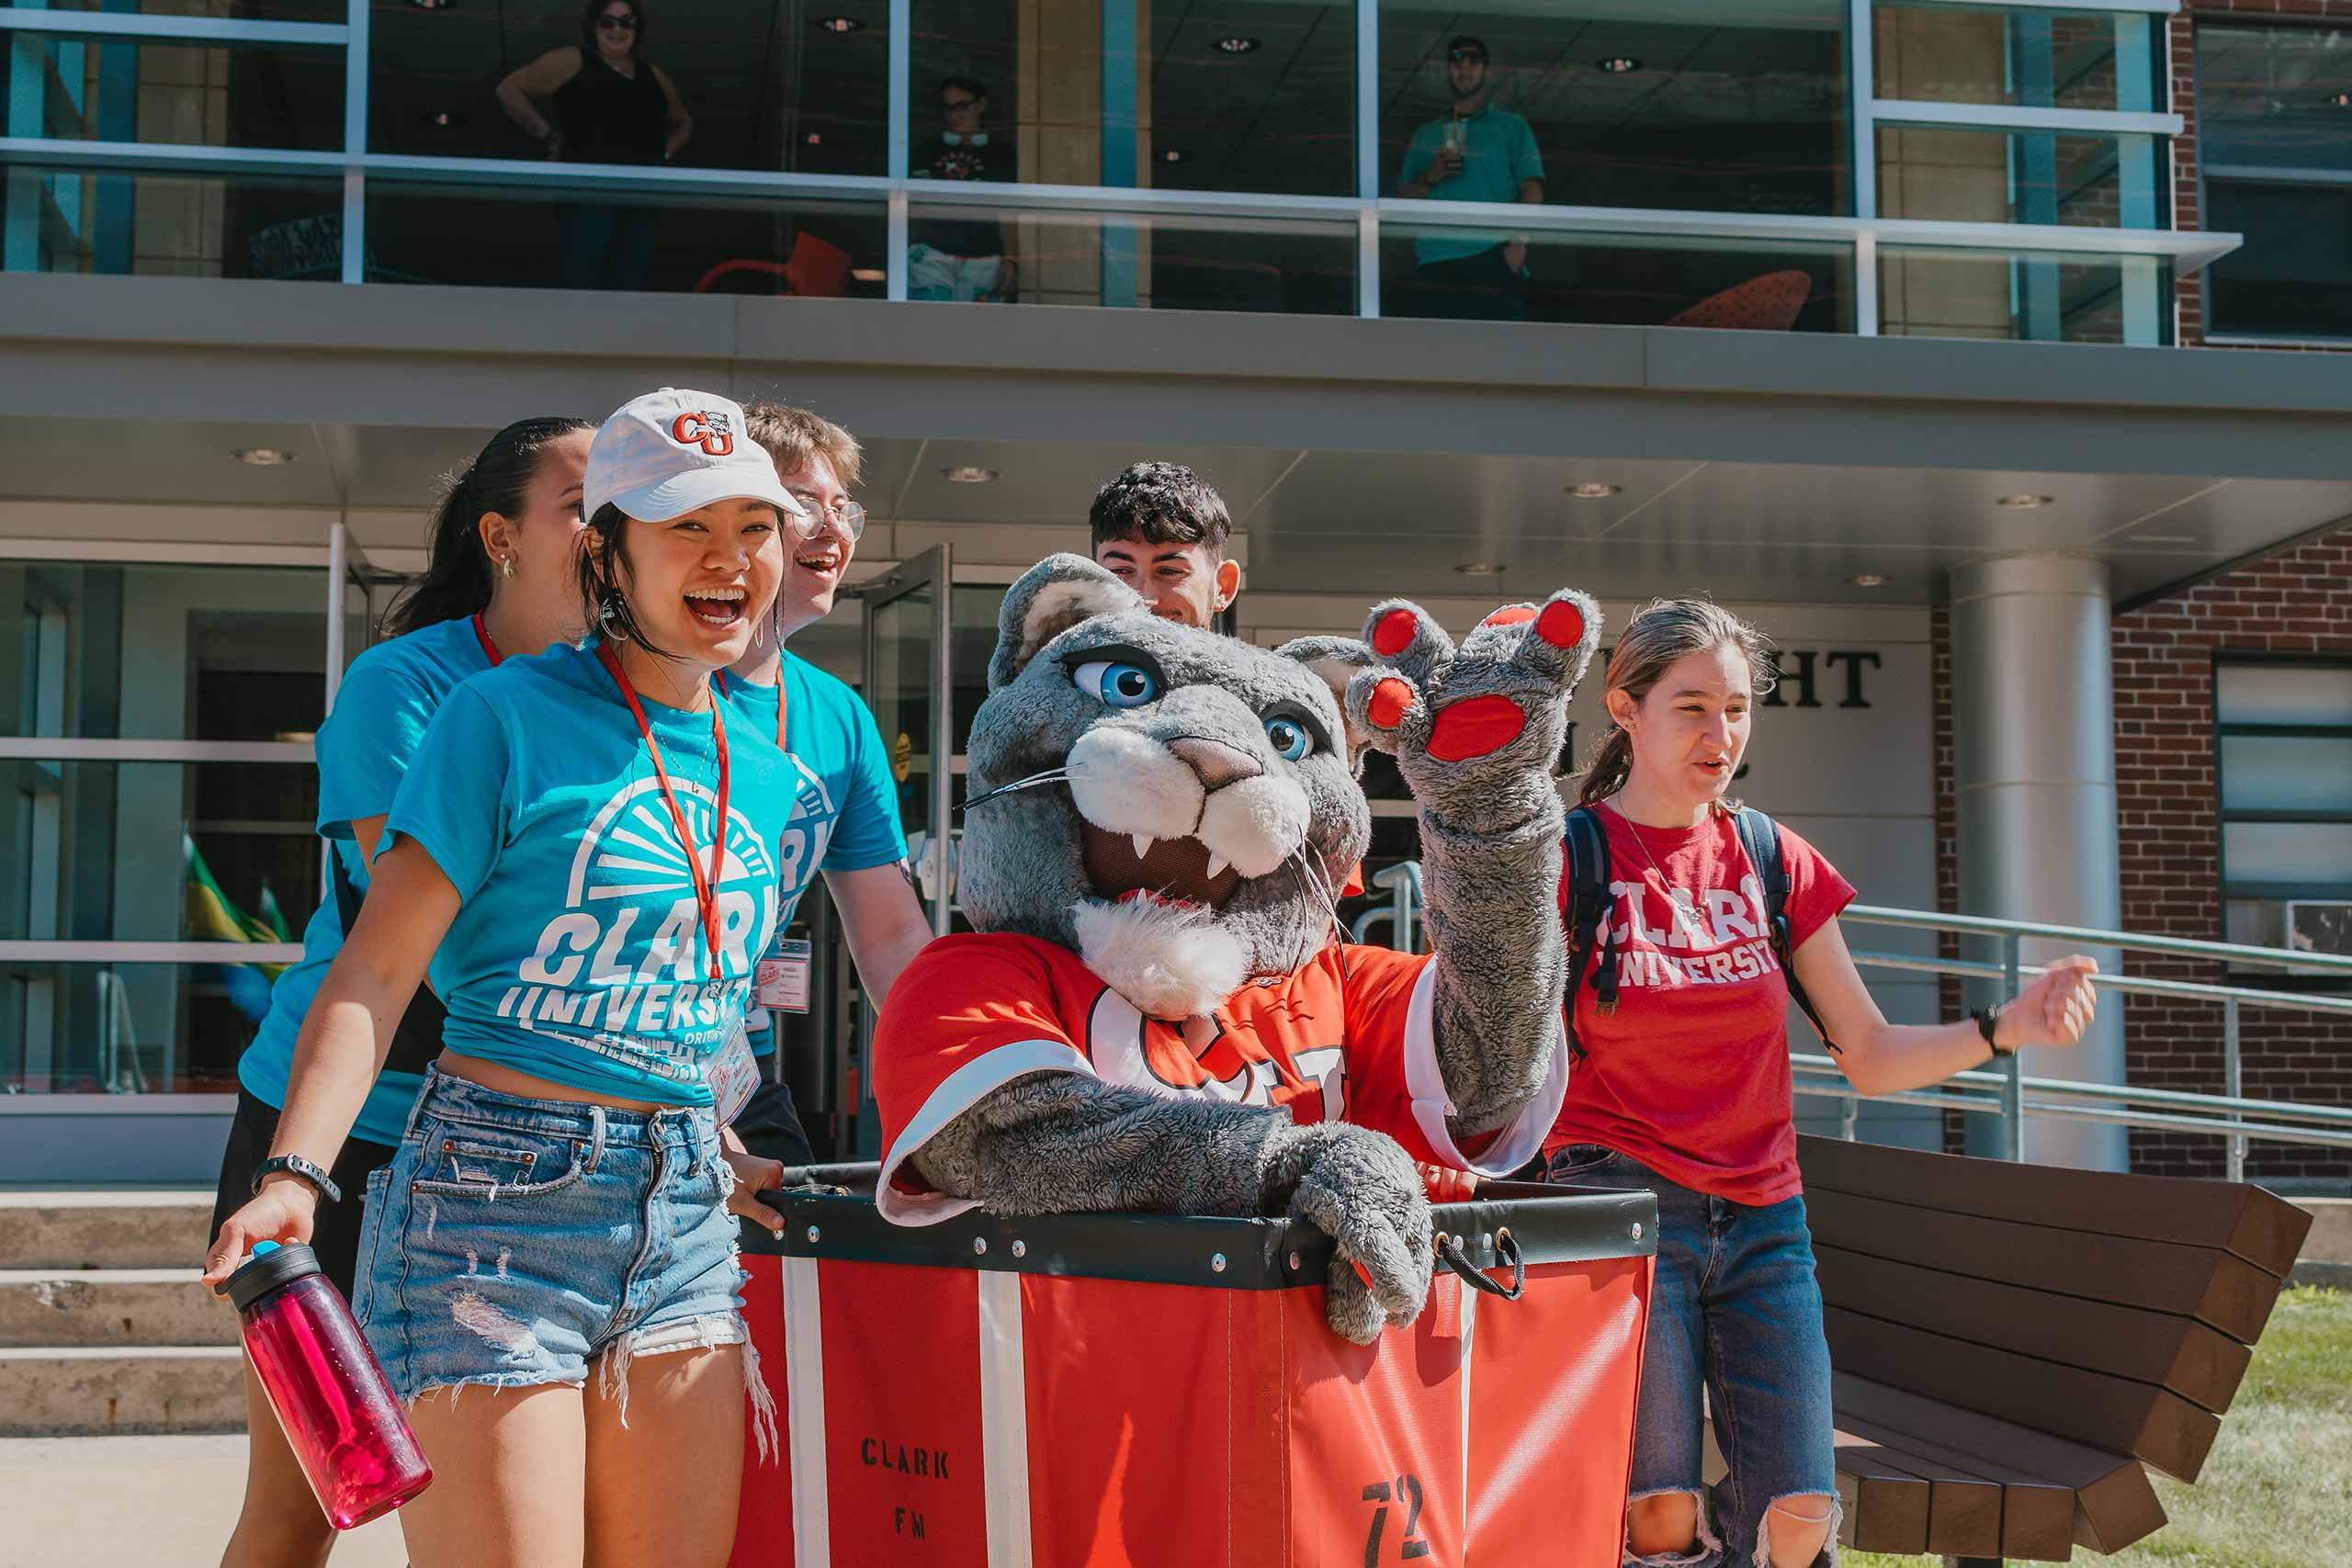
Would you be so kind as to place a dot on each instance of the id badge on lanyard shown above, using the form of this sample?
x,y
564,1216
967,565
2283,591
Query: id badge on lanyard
x,y
732,1075
784,975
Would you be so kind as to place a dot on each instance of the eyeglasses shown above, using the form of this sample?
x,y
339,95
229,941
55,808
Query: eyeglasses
x,y
846,516
954,105
1467,56
612,24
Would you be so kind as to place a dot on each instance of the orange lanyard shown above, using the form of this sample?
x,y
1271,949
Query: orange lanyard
x,y
488,649
779,706
705,887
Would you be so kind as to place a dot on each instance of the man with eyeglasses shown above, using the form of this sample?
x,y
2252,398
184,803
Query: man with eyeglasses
x,y
1478,152
846,823
962,259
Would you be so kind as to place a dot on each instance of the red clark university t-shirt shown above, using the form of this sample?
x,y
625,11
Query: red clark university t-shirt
x,y
1690,1075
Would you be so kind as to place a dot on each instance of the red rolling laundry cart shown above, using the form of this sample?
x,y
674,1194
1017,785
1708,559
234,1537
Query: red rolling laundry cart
x,y
1099,1390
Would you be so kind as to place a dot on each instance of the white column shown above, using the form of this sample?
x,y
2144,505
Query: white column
x,y
2033,725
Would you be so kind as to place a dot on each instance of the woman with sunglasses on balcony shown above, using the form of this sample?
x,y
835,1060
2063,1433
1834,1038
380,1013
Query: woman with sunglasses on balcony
x,y
611,105
500,579
584,858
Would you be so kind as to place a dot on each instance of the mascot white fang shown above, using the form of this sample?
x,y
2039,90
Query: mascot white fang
x,y
1155,1015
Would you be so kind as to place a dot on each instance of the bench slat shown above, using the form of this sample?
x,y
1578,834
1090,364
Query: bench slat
x,y
1886,1508
2193,1361
1963,1510
2114,1504
2139,1419
2260,1227
2213,1286
2037,1514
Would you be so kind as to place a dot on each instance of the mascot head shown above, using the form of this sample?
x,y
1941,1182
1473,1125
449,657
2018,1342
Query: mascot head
x,y
1178,808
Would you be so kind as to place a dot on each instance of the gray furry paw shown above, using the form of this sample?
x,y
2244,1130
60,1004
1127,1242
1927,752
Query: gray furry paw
x,y
1360,1188
1474,728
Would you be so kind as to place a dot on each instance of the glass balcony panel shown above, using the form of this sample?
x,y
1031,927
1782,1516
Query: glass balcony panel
x,y
102,1028
2042,60
2274,98
958,253
1771,285
334,12
63,219
665,242
158,852
2037,177
733,85
2023,295
1221,95
1670,104
187,94
2292,278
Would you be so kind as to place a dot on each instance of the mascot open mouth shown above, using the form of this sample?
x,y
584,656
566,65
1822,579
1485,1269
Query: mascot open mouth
x,y
1176,869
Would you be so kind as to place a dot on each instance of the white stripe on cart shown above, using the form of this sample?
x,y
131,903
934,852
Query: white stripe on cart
x,y
1004,1420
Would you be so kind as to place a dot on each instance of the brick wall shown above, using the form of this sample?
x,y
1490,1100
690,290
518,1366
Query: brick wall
x,y
2297,602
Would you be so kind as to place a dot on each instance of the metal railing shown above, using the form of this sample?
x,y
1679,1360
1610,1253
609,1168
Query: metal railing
x,y
2004,1090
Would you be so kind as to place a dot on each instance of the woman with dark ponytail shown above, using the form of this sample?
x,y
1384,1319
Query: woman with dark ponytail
x,y
1682,1088
501,581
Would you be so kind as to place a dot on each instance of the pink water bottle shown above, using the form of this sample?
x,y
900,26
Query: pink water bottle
x,y
340,1416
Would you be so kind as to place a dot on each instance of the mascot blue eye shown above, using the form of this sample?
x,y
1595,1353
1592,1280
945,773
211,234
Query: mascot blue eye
x,y
1289,738
1120,684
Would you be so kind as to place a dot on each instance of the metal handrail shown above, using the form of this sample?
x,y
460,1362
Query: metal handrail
x,y
2087,936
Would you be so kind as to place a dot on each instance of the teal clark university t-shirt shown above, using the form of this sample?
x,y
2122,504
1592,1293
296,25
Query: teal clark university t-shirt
x,y
578,954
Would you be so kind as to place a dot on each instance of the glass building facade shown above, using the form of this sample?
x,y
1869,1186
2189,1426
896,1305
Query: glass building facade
x,y
1904,167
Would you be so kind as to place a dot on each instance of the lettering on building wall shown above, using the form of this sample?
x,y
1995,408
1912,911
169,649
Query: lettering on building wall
x,y
1802,673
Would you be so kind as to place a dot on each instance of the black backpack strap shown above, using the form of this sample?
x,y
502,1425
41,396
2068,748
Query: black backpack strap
x,y
1761,838
1588,855
417,1040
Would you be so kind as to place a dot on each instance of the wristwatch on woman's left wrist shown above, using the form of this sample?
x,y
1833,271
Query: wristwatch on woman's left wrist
x,y
295,1164
1988,1024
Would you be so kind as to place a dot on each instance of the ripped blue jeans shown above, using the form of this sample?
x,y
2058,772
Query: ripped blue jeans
x,y
1734,1311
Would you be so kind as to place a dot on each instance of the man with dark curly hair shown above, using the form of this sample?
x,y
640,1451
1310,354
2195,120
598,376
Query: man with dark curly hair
x,y
1162,530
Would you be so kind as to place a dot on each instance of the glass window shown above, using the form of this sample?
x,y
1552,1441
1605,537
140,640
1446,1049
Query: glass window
x,y
2042,59
102,1028
183,94
2293,275
2274,108
2286,789
2274,98
336,12
963,252
1687,104
1222,94
2035,177
2023,295
538,238
729,84
1775,286
67,220
2287,772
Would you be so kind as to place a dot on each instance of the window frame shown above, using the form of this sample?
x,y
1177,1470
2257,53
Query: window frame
x,y
2269,893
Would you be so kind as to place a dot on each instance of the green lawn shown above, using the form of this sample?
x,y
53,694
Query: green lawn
x,y
2278,1491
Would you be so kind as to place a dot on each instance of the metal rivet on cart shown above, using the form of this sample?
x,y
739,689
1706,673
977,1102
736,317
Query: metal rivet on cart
x,y
1217,1263
1020,1249
979,1244
1637,1230
812,1232
1294,1261
1485,1239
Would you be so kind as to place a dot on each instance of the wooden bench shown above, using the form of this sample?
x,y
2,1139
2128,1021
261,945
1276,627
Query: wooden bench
x,y
2015,1346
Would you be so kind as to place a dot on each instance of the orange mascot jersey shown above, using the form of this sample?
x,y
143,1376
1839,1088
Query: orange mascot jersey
x,y
1347,1036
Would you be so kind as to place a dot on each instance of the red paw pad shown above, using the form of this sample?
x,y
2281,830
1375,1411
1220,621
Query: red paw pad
x,y
1395,633
1509,615
1561,623
1475,726
1391,701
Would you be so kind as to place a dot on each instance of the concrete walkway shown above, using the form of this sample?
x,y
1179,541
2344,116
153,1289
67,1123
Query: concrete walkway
x,y
140,1503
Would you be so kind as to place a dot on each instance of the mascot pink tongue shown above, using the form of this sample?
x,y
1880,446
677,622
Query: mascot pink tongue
x,y
1155,1014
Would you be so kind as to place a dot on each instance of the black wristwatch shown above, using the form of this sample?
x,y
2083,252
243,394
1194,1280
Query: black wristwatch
x,y
295,1164
1988,1021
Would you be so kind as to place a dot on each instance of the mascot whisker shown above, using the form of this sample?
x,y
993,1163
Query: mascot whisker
x,y
1153,1014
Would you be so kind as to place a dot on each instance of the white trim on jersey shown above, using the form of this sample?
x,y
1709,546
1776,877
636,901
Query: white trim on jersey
x,y
958,1093
1425,1081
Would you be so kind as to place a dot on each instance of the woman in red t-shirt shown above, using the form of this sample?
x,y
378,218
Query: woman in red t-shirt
x,y
1684,1090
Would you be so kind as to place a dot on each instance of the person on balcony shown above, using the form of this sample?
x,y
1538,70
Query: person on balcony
x,y
962,259
1476,152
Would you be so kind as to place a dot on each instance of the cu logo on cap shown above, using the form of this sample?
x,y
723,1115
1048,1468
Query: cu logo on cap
x,y
709,431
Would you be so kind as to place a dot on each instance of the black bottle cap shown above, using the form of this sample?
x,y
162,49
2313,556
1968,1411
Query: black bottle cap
x,y
273,1268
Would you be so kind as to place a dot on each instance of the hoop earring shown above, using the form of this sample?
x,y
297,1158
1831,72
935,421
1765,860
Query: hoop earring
x,y
608,615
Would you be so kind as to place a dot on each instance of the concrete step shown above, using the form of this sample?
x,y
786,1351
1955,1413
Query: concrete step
x,y
55,1391
110,1308
104,1228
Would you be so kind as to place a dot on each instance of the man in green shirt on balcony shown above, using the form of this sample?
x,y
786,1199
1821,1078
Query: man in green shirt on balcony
x,y
1477,152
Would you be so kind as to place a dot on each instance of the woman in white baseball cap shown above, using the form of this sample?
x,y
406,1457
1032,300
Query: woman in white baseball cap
x,y
582,857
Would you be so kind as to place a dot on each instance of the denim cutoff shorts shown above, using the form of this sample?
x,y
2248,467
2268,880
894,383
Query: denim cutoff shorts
x,y
1735,1313
513,1242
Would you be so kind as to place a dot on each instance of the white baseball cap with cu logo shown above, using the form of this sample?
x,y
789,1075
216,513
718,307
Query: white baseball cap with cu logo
x,y
667,453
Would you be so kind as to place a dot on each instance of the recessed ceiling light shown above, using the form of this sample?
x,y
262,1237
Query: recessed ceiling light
x,y
2023,503
1618,65
1237,45
840,24
262,456
1479,569
2164,538
967,474
1594,490
444,119
1173,154
1866,580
